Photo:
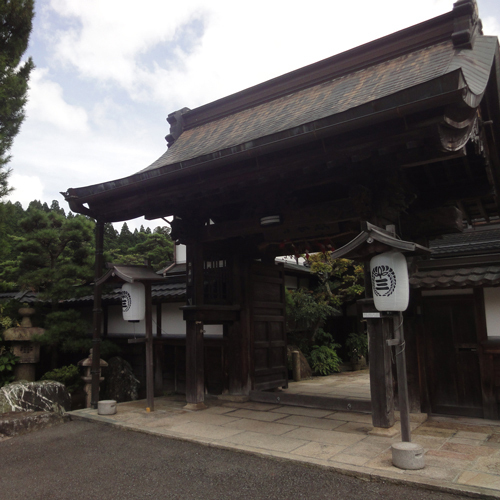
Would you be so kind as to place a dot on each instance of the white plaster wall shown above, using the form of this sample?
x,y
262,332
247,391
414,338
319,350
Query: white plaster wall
x,y
171,321
116,323
492,307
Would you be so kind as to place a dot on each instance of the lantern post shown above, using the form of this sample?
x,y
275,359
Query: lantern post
x,y
390,285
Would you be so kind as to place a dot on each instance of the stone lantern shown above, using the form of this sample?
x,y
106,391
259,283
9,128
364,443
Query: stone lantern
x,y
23,346
87,376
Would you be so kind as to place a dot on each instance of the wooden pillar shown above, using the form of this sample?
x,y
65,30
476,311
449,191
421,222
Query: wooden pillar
x,y
97,314
381,385
159,354
195,383
149,350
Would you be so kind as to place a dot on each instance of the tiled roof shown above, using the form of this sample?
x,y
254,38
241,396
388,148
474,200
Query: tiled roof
x,y
293,112
457,278
466,243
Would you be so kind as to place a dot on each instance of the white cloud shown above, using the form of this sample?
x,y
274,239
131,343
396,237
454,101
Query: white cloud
x,y
240,44
26,188
46,104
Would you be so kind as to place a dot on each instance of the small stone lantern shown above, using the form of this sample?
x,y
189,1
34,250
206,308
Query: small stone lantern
x,y
21,340
87,377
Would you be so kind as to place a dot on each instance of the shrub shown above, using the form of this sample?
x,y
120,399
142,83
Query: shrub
x,y
7,363
325,360
68,375
357,345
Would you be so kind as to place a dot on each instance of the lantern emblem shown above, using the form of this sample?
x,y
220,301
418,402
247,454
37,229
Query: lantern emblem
x,y
384,280
391,287
133,301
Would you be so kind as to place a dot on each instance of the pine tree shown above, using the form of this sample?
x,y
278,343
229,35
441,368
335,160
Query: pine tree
x,y
16,18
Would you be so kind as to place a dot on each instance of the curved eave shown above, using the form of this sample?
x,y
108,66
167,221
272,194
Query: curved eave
x,y
439,92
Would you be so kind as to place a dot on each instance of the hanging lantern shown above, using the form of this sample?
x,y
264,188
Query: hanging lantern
x,y
133,301
391,287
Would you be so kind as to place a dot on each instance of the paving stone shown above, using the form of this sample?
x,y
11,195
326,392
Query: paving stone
x,y
447,459
252,405
428,442
356,427
438,473
472,478
315,423
210,418
351,417
471,451
306,412
318,450
204,430
264,416
367,450
423,430
219,410
349,459
325,437
490,465
470,442
261,427
267,442
477,436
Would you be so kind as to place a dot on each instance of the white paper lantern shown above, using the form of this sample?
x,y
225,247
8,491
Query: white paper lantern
x,y
391,287
133,301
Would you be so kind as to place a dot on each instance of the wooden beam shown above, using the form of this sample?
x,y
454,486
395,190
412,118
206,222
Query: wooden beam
x,y
442,220
306,222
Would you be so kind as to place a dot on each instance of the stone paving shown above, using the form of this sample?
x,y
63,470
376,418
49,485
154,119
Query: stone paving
x,y
461,455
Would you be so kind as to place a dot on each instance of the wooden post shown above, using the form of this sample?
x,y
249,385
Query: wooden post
x,y
404,408
149,350
195,383
158,353
97,314
381,386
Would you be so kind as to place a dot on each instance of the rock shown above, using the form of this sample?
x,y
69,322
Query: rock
x,y
45,395
120,383
305,369
15,423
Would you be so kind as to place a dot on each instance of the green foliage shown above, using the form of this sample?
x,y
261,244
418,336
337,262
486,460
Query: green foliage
x,y
324,359
342,280
68,375
16,18
7,363
306,311
357,345
67,331
53,256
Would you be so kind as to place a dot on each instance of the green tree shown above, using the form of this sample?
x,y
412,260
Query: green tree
x,y
16,18
53,256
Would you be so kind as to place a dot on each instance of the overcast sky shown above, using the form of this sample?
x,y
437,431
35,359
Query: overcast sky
x,y
108,72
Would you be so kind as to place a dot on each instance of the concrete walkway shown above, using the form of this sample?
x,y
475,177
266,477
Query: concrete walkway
x,y
462,455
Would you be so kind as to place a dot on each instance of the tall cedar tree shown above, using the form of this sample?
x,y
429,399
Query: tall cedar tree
x,y
16,18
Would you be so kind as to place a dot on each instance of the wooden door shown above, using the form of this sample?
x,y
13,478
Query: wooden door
x,y
267,323
452,356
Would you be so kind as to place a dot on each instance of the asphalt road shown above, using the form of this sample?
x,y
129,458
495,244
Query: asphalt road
x,y
83,460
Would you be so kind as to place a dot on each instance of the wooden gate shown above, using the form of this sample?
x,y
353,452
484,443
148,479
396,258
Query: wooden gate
x,y
452,356
267,324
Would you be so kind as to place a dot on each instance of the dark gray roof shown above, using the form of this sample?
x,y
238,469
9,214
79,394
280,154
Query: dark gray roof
x,y
471,242
457,278
312,108
175,292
